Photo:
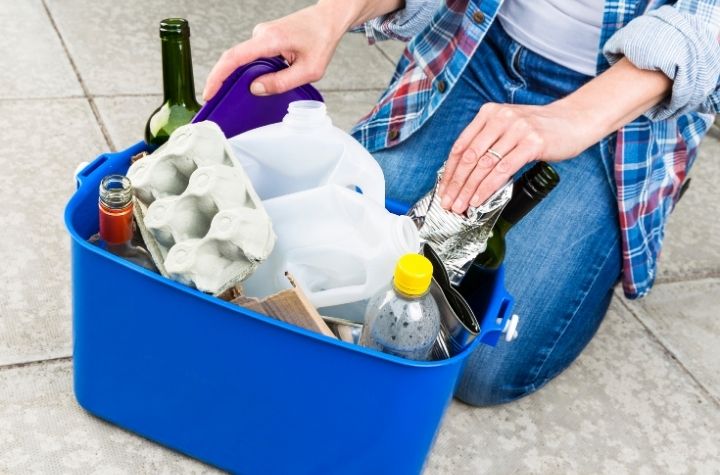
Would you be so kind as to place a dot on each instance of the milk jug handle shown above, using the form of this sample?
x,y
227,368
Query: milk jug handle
x,y
372,189
338,296
369,181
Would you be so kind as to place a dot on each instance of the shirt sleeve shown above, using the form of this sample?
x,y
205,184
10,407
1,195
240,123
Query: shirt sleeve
x,y
682,42
402,24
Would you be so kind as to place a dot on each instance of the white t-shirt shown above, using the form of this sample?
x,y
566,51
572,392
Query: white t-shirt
x,y
564,31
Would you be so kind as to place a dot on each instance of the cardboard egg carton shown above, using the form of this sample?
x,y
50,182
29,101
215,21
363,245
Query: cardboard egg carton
x,y
198,212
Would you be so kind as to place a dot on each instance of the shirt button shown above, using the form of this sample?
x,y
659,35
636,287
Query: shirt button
x,y
393,134
441,86
478,17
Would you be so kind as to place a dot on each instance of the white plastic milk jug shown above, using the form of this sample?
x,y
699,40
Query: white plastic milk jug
x,y
306,151
339,246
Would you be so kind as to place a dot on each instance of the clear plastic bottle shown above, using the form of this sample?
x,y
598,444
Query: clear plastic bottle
x,y
403,319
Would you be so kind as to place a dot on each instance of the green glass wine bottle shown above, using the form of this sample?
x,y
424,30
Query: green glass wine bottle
x,y
179,103
528,191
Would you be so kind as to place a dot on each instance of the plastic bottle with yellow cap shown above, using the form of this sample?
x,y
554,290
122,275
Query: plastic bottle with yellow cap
x,y
403,319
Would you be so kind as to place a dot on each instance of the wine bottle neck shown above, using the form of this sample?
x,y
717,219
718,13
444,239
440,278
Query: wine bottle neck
x,y
178,80
516,209
529,190
116,225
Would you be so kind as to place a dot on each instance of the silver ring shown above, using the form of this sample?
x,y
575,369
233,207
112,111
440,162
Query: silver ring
x,y
495,154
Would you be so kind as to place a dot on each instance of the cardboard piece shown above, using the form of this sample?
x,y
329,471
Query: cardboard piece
x,y
289,306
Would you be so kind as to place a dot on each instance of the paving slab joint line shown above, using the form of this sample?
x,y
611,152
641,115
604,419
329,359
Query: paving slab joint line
x,y
58,359
675,357
86,92
385,55
39,99
689,277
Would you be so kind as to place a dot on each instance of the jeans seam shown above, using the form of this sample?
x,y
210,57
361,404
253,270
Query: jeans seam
x,y
533,379
608,157
519,81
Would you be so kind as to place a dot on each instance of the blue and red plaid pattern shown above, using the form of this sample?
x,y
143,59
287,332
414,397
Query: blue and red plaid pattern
x,y
652,158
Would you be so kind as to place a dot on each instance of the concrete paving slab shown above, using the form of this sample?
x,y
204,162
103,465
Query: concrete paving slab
x,y
34,63
43,430
392,49
125,116
693,233
126,60
42,145
624,407
684,317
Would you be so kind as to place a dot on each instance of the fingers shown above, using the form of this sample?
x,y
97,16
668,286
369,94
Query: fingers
x,y
473,156
484,167
233,58
487,163
297,74
496,134
500,174
461,144
528,149
515,132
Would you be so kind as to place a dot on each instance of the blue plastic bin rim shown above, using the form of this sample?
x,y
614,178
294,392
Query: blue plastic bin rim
x,y
90,176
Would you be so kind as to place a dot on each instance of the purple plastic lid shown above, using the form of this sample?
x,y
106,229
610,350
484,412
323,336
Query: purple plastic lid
x,y
236,110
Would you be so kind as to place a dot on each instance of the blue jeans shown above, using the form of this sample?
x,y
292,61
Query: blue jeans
x,y
563,258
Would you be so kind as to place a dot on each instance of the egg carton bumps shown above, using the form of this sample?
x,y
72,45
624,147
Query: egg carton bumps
x,y
198,212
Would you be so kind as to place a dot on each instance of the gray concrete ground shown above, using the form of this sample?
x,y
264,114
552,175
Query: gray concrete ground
x,y
80,77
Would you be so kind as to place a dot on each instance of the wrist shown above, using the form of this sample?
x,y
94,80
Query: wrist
x,y
591,119
340,16
349,13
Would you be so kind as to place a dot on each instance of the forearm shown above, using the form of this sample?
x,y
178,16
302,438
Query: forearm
x,y
349,13
615,98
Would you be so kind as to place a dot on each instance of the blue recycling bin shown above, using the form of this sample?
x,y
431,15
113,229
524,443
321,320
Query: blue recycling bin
x,y
237,389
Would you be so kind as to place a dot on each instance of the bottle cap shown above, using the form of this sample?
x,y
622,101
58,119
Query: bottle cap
x,y
413,274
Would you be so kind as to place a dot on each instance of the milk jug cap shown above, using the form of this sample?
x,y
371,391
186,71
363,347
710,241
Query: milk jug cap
x,y
413,274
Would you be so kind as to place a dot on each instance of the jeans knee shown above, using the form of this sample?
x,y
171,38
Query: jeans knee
x,y
495,376
484,392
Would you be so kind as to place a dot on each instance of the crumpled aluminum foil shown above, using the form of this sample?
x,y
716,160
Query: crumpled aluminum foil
x,y
456,238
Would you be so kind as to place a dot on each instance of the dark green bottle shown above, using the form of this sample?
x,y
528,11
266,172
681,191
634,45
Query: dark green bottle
x,y
179,103
528,191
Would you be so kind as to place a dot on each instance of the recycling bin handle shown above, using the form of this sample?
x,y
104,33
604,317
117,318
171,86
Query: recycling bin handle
x,y
502,321
86,174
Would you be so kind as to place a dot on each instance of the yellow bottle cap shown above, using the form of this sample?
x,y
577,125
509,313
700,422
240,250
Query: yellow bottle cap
x,y
413,274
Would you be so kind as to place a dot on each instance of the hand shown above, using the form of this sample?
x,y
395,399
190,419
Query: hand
x,y
306,39
518,134
555,132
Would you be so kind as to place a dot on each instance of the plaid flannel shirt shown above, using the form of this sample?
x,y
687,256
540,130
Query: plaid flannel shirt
x,y
652,155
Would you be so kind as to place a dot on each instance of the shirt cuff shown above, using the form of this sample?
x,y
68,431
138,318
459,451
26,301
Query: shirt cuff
x,y
402,24
680,45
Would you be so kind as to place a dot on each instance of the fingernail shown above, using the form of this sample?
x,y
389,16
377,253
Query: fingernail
x,y
258,89
446,202
475,202
205,94
455,149
458,206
